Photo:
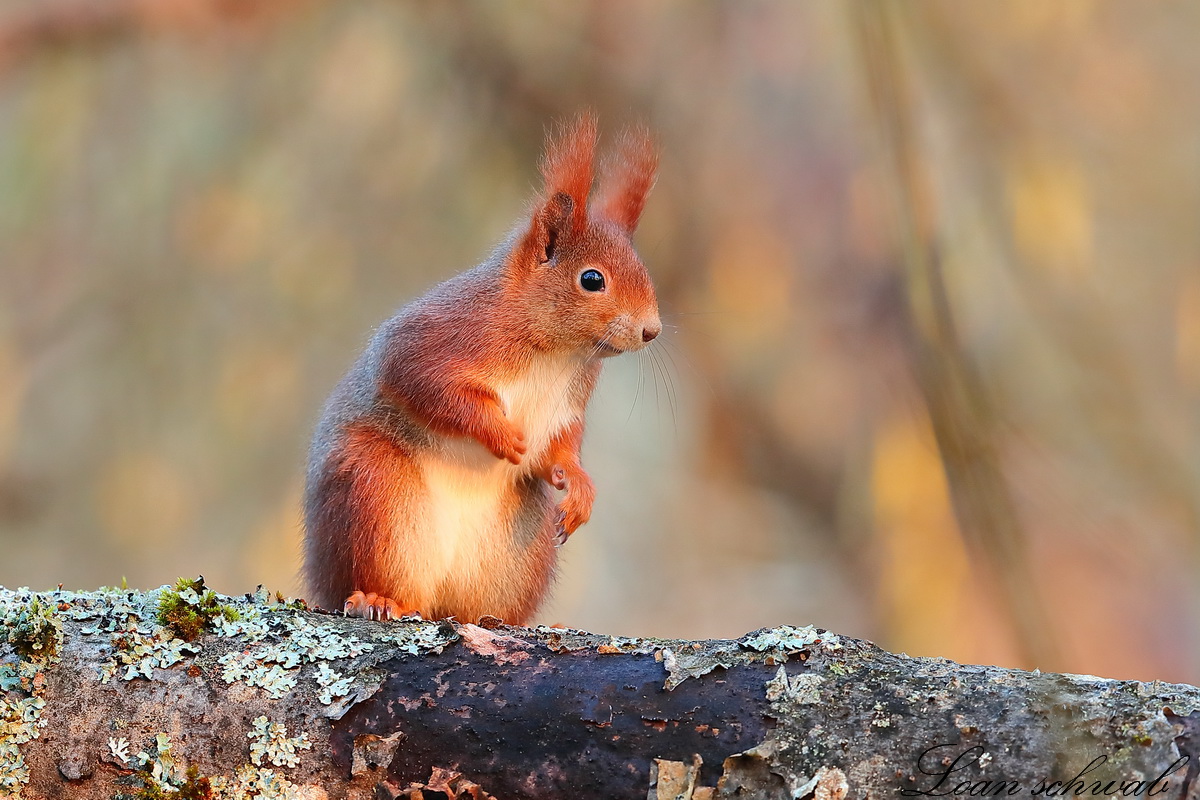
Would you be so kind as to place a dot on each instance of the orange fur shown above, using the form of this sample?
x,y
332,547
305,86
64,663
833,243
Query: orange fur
x,y
567,166
567,474
627,180
359,494
431,475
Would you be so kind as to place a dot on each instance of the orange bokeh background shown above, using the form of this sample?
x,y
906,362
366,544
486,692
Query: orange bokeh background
x,y
930,270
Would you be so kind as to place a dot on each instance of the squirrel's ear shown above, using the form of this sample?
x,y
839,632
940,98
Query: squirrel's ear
x,y
551,221
627,179
567,166
568,170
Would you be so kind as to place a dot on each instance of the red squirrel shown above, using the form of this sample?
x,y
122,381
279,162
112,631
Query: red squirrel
x,y
432,475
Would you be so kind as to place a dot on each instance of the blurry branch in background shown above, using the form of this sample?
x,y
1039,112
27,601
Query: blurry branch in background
x,y
49,25
1106,390
960,409
52,24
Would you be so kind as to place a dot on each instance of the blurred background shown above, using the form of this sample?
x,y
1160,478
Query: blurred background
x,y
931,273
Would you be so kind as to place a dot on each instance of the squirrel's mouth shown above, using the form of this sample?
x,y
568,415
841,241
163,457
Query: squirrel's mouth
x,y
606,350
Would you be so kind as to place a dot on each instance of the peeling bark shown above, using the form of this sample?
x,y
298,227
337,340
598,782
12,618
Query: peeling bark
x,y
289,703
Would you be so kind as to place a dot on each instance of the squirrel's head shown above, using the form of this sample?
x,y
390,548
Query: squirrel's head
x,y
585,287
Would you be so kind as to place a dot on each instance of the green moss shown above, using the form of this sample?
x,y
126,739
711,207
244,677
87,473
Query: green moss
x,y
149,791
194,787
189,609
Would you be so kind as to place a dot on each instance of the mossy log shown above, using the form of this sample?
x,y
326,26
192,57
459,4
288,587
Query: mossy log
x,y
99,698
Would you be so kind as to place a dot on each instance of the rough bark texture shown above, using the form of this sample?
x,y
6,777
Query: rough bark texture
x,y
98,699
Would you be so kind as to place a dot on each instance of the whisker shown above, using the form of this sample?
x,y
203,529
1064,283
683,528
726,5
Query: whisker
x,y
601,343
691,364
638,393
679,330
657,405
669,390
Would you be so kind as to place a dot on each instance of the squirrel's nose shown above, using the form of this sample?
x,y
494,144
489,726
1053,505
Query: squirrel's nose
x,y
651,330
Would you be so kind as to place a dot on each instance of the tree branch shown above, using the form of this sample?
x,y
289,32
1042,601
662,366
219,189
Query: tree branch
x,y
57,24
99,699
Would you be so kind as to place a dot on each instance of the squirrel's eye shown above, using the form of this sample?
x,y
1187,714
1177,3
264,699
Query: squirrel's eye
x,y
591,280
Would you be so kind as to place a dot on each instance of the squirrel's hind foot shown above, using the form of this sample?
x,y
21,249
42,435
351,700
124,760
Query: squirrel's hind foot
x,y
369,605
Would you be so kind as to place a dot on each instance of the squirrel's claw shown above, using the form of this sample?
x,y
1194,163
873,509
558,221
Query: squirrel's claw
x,y
561,534
372,606
576,508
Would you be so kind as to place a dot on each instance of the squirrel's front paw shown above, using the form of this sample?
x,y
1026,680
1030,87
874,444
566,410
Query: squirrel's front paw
x,y
372,606
576,508
507,443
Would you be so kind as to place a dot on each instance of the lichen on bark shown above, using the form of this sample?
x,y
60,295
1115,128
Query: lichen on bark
x,y
99,699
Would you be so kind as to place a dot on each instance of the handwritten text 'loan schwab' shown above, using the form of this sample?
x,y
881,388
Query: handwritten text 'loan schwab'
x,y
946,783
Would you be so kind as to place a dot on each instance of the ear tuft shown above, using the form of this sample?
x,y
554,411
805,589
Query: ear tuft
x,y
568,165
628,178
